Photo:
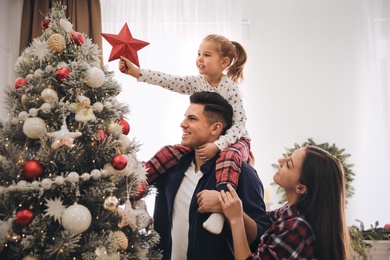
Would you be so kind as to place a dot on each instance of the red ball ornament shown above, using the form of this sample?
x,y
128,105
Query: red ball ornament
x,y
125,126
62,74
32,169
20,83
45,23
77,38
119,162
99,136
140,190
24,217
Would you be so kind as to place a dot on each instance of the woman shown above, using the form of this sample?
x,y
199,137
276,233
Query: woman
x,y
311,225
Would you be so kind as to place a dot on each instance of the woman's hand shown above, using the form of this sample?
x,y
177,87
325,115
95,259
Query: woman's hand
x,y
231,205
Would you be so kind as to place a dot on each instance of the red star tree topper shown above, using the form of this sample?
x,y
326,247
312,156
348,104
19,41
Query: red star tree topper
x,y
124,44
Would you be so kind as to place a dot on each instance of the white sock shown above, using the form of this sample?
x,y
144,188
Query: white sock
x,y
214,223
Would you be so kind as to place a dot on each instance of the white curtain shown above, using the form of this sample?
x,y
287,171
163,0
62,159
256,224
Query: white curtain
x,y
374,138
174,29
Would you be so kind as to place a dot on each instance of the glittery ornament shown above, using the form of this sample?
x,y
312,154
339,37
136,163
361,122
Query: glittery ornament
x,y
76,218
77,38
62,74
56,42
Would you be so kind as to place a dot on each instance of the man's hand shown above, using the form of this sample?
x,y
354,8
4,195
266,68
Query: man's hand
x,y
207,151
208,201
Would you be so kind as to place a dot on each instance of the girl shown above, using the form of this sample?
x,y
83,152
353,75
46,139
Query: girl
x,y
311,225
216,55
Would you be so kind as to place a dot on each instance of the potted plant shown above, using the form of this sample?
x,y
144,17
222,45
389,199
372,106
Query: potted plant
x,y
372,243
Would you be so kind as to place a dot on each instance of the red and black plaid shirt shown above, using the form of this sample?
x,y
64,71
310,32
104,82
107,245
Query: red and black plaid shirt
x,y
289,237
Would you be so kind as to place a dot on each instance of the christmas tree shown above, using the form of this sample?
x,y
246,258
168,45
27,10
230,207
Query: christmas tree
x,y
68,171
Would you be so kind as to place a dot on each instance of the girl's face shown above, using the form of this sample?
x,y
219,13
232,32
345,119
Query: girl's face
x,y
209,62
289,170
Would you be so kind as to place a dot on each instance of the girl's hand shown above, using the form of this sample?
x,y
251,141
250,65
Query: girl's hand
x,y
127,67
231,205
207,151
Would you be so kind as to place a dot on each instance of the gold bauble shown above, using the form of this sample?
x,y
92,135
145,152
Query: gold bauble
x,y
56,42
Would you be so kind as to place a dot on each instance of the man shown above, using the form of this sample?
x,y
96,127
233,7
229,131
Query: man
x,y
186,195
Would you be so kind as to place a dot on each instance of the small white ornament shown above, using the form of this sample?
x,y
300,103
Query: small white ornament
x,y
23,115
46,107
33,112
124,144
73,177
63,137
35,184
66,25
85,176
46,183
98,107
49,95
22,184
59,180
55,208
114,129
96,174
95,77
83,109
108,105
15,121
76,219
34,127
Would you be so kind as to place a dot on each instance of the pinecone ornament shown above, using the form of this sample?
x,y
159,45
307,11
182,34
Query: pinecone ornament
x,y
121,239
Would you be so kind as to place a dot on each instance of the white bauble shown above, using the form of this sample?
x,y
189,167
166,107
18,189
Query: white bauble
x,y
95,77
98,107
59,180
46,183
76,219
23,115
15,121
73,177
66,25
34,127
85,176
96,174
114,129
35,184
33,112
49,95
46,107
124,144
22,184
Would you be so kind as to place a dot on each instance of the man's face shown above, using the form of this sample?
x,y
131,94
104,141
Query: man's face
x,y
196,129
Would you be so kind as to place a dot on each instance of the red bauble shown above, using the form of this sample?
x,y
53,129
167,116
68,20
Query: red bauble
x,y
100,136
20,83
125,126
77,38
24,217
119,162
32,169
45,23
387,226
62,74
140,190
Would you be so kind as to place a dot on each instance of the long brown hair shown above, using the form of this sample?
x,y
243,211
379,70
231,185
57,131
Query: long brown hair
x,y
234,51
324,203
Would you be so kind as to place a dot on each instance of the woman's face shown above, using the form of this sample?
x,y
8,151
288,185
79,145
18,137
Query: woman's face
x,y
289,170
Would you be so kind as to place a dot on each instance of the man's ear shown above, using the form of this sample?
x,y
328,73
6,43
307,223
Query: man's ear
x,y
301,189
216,128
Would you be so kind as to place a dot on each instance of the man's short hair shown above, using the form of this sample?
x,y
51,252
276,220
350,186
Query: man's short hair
x,y
216,108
